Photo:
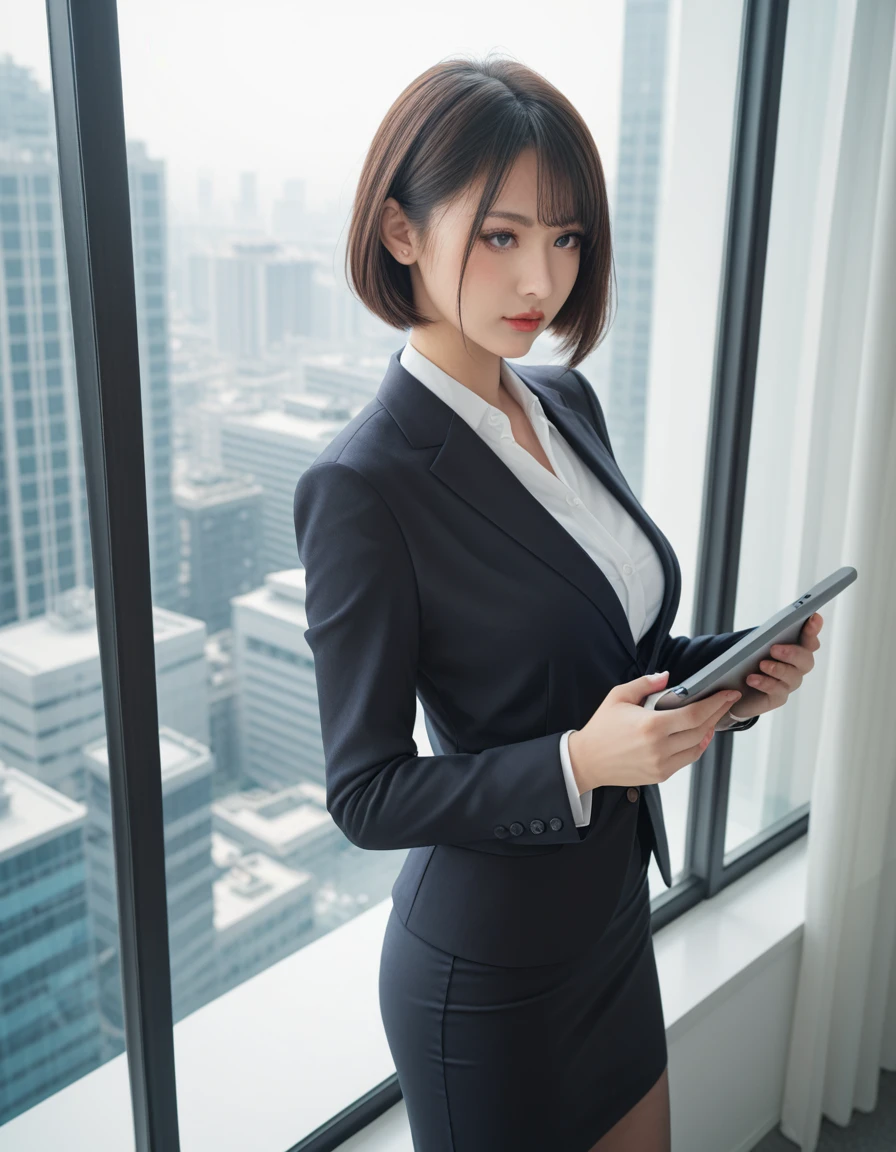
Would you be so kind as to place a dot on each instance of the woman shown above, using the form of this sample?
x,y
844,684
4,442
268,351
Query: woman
x,y
468,538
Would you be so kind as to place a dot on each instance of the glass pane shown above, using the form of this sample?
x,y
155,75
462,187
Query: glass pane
x,y
678,92
772,767
243,151
60,979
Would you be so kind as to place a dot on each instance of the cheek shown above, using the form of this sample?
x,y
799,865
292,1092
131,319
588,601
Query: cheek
x,y
483,271
572,271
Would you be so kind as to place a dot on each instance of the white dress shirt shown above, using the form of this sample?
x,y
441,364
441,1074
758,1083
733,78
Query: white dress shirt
x,y
575,497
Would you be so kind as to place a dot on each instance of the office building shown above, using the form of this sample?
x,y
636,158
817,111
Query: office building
x,y
279,721
49,1023
186,767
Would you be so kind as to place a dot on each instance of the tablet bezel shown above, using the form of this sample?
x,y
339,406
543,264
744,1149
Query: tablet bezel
x,y
730,669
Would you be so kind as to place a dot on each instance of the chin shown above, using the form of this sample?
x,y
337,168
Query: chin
x,y
513,349
517,343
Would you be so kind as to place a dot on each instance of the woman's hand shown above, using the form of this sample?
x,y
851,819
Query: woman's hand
x,y
624,744
780,676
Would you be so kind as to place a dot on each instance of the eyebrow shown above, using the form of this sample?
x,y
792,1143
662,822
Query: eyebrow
x,y
526,221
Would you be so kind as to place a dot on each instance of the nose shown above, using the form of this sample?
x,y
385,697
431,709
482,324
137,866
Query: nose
x,y
536,280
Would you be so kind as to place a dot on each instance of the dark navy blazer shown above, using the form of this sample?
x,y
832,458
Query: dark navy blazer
x,y
431,570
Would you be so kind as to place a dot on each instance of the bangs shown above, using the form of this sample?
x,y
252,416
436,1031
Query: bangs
x,y
565,193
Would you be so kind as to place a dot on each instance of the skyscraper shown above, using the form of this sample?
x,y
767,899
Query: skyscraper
x,y
289,213
187,767
49,1020
634,230
44,538
44,541
245,211
146,181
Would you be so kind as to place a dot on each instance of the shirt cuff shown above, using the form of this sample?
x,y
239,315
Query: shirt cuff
x,y
730,723
580,805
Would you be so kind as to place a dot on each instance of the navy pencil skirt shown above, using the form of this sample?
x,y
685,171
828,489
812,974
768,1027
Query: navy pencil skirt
x,y
540,1059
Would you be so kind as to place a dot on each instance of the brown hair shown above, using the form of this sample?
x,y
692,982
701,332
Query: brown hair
x,y
461,120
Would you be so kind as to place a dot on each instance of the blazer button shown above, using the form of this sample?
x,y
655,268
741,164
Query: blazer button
x,y
501,831
632,794
516,828
536,826
556,823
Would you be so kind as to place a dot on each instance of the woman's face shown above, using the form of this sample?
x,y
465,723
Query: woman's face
x,y
516,265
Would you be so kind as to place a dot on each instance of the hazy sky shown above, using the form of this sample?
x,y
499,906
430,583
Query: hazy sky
x,y
288,88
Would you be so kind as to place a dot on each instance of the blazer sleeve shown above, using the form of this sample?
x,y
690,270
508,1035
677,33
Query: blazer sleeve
x,y
681,655
362,609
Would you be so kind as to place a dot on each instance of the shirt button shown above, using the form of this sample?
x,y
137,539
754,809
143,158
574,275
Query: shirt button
x,y
516,828
632,794
574,500
501,831
556,823
627,569
536,826
494,418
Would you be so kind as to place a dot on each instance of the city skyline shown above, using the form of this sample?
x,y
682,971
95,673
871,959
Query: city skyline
x,y
181,99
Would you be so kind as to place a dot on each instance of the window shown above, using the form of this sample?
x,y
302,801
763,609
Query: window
x,y
235,234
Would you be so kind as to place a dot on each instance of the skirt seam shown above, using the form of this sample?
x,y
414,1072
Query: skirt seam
x,y
442,1052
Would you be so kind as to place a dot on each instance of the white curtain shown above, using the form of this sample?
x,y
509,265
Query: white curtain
x,y
844,1024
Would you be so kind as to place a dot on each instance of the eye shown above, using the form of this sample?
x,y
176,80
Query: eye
x,y
486,237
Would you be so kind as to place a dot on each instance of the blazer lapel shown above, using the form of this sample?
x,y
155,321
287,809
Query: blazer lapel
x,y
581,434
473,471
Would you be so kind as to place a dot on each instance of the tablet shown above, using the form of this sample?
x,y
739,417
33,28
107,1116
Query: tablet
x,y
731,669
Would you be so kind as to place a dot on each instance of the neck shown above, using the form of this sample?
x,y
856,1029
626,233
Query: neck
x,y
474,367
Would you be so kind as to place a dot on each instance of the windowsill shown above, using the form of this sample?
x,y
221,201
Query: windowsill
x,y
275,1057
719,945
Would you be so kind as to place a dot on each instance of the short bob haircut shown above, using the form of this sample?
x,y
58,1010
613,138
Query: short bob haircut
x,y
460,121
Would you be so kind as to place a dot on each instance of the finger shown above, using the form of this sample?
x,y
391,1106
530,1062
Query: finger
x,y
682,748
796,655
776,689
809,632
695,718
788,674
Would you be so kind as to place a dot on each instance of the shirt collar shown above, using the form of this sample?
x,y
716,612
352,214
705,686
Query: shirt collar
x,y
464,401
